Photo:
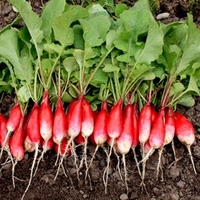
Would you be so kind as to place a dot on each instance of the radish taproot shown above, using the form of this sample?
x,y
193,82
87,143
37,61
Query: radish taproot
x,y
87,128
184,131
124,141
114,130
100,135
59,125
74,119
135,134
45,119
17,146
33,133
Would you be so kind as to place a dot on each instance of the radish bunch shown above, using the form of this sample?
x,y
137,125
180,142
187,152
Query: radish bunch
x,y
119,128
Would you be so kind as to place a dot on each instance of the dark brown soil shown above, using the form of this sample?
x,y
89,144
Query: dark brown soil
x,y
179,180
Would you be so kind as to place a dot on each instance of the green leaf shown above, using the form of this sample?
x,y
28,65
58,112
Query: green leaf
x,y
61,25
187,100
9,49
119,8
191,50
139,37
192,86
99,78
23,94
95,30
70,64
31,19
110,68
51,10
176,88
78,37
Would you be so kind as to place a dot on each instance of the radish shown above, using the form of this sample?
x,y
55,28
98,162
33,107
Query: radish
x,y
144,128
114,129
169,133
59,124
45,119
33,133
17,146
14,118
3,122
79,139
135,134
124,141
11,125
87,128
144,124
29,146
100,135
74,119
156,137
184,131
16,142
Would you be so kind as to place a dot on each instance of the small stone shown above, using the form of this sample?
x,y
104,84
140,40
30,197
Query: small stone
x,y
180,184
196,151
174,172
156,191
162,16
174,196
123,196
85,196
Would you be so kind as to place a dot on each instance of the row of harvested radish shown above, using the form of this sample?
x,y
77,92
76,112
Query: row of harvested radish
x,y
123,128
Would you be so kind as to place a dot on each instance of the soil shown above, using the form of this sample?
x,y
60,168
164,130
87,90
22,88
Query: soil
x,y
178,182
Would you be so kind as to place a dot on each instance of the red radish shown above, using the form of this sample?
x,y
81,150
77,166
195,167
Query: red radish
x,y
33,133
144,124
169,133
153,114
114,129
87,123
12,124
45,118
156,137
17,146
14,118
124,141
63,151
169,125
49,144
135,138
74,119
157,134
87,128
3,121
16,142
59,124
100,134
185,133
135,134
79,139
144,128
33,128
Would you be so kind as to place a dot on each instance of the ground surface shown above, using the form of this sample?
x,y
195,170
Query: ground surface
x,y
179,180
